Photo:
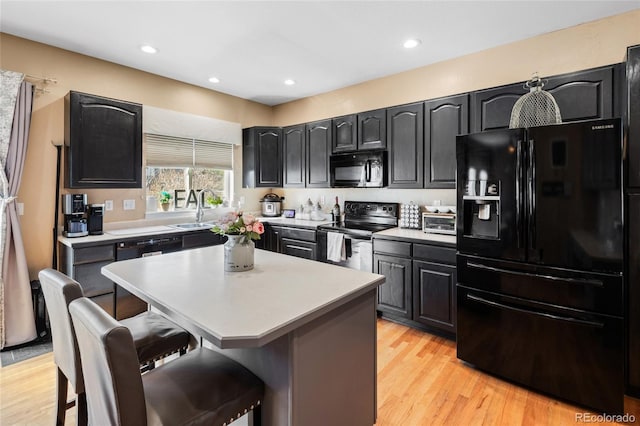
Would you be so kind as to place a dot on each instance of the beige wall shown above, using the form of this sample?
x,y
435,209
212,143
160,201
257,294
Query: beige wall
x,y
590,45
82,73
585,46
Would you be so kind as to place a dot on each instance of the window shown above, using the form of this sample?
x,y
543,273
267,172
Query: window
x,y
182,167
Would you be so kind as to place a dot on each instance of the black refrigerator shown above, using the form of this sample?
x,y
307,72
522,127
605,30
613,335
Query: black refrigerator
x,y
540,259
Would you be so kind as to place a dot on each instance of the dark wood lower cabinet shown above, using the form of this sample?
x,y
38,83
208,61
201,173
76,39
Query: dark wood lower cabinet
x,y
420,286
299,242
434,301
394,296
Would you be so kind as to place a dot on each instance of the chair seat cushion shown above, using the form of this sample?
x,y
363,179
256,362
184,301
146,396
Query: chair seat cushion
x,y
201,387
154,336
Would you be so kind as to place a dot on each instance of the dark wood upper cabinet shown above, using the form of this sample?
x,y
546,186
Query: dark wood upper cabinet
x,y
262,157
491,108
345,134
582,95
318,151
633,122
444,119
294,150
372,129
103,142
406,145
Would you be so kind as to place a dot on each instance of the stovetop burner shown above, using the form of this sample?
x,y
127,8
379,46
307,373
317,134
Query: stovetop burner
x,y
365,218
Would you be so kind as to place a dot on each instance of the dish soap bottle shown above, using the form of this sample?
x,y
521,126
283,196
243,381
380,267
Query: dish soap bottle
x,y
336,212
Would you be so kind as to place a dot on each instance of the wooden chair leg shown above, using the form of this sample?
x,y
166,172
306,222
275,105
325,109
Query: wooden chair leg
x,y
61,397
81,409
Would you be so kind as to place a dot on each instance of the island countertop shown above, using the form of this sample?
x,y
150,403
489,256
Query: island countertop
x,y
240,309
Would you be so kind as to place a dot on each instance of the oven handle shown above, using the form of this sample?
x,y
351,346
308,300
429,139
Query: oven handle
x,y
593,282
534,313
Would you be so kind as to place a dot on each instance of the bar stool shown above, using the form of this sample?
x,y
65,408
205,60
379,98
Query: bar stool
x,y
154,337
201,387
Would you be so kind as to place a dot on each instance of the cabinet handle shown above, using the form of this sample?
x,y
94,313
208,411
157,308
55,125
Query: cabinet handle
x,y
534,313
593,282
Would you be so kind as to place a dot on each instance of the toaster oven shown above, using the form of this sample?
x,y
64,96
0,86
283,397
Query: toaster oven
x,y
439,223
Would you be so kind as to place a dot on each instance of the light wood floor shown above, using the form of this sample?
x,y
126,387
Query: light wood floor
x,y
420,382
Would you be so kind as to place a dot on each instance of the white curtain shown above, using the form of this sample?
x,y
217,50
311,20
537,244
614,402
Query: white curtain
x,y
17,324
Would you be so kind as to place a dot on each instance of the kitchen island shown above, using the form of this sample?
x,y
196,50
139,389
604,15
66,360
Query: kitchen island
x,y
306,328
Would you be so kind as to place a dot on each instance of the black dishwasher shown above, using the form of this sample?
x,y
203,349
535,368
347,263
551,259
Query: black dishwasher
x,y
126,304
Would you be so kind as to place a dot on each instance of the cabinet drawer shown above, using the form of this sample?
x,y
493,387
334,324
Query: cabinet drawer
x,y
396,248
303,249
434,253
298,234
91,280
93,254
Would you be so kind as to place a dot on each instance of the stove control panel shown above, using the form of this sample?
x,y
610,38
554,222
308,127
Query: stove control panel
x,y
362,209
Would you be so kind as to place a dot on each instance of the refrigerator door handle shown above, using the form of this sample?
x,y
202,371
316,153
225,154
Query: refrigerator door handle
x,y
532,194
593,282
535,313
519,193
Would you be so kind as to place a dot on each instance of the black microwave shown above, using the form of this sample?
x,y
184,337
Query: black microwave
x,y
359,170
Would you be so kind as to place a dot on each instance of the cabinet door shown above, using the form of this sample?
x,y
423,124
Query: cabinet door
x,y
318,150
268,158
584,95
633,115
633,281
294,148
491,108
394,296
304,249
406,144
444,119
434,301
261,157
345,133
103,146
372,129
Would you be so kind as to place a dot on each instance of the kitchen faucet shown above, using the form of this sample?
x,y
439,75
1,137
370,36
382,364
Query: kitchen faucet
x,y
199,197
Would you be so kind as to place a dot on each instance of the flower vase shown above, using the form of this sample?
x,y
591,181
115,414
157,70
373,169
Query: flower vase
x,y
238,253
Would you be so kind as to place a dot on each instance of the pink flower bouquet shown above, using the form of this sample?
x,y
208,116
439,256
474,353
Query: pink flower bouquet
x,y
238,224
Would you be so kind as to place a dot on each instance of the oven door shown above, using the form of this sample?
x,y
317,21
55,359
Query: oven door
x,y
359,252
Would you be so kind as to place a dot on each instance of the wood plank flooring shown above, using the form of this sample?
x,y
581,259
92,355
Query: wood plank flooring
x,y
420,382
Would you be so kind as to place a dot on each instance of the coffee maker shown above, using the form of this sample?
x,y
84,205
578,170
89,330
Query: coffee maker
x,y
74,207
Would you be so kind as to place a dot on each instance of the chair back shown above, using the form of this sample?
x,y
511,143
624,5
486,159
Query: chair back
x,y
113,383
59,290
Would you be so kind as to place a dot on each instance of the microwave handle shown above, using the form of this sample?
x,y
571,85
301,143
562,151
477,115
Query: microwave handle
x,y
367,171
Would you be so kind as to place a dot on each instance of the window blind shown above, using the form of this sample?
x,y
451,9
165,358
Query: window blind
x,y
171,151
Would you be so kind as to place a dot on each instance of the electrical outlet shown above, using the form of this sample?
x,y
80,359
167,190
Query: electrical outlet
x,y
108,205
129,204
20,208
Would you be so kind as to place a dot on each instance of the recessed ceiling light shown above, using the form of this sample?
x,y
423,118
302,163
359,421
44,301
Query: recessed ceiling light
x,y
289,82
148,49
411,43
214,80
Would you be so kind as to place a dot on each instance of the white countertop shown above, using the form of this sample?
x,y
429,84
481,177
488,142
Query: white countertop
x,y
416,234
240,309
280,220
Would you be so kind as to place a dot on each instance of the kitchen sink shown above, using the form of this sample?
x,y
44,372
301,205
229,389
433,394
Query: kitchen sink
x,y
192,225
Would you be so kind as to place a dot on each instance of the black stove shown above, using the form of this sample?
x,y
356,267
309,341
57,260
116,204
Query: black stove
x,y
363,218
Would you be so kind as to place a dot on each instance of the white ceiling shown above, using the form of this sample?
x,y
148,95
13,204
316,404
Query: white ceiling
x,y
253,46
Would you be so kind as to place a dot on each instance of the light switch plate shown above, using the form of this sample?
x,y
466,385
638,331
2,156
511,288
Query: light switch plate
x,y
129,204
108,205
20,208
